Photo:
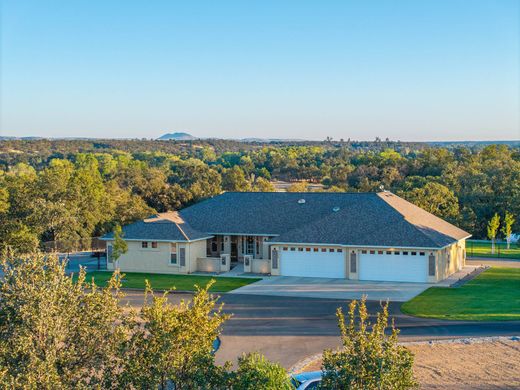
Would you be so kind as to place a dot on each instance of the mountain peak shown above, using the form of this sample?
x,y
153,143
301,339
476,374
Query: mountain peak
x,y
177,136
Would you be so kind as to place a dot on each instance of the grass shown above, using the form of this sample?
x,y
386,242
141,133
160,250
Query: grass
x,y
165,282
476,248
494,295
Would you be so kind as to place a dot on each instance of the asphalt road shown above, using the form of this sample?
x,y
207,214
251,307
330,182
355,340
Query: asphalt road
x,y
288,329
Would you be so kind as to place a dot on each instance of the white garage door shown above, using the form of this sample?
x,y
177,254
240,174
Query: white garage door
x,y
312,264
393,267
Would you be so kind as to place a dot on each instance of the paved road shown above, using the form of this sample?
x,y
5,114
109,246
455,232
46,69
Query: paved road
x,y
288,329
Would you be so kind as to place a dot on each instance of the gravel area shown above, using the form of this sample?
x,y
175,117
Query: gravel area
x,y
485,363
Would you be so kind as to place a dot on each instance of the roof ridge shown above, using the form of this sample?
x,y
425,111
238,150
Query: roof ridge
x,y
412,223
182,231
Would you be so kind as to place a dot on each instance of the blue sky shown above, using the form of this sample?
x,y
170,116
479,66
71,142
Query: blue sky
x,y
408,70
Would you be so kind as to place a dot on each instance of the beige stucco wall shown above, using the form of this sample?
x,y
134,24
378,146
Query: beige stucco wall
x,y
451,259
443,270
157,260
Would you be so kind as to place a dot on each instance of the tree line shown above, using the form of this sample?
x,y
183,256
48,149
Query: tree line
x,y
72,190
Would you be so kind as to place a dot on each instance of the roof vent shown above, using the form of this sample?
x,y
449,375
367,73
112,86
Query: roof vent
x,y
335,209
301,201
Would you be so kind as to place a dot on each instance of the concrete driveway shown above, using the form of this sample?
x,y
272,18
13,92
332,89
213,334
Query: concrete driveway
x,y
291,286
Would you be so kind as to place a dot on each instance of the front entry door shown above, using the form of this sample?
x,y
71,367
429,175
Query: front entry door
x,y
234,251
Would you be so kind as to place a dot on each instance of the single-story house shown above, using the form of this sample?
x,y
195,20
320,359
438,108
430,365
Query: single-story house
x,y
358,236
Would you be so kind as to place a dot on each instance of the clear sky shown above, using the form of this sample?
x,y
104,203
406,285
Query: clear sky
x,y
408,70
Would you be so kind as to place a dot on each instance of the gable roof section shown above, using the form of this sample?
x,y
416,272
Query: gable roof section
x,y
371,219
160,227
358,219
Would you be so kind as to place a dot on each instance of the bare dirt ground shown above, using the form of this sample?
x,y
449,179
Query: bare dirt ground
x,y
478,365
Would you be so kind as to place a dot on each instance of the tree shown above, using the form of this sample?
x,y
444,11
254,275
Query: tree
x,y
55,332
263,185
174,344
436,199
256,372
509,220
119,247
299,187
492,229
368,359
234,179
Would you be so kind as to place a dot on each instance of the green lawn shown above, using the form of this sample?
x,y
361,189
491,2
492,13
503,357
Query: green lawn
x,y
165,282
483,249
494,295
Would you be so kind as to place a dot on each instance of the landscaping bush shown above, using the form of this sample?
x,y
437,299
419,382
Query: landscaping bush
x,y
255,372
369,358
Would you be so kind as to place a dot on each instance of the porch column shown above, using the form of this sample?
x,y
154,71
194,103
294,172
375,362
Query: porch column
x,y
227,244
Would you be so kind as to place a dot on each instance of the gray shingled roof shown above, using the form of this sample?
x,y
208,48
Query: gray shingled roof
x,y
160,227
376,219
367,219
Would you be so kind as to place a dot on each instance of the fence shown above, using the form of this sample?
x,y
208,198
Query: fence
x,y
91,244
483,248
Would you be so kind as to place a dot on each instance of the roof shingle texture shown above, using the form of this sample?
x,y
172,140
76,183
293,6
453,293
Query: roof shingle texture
x,y
364,219
376,219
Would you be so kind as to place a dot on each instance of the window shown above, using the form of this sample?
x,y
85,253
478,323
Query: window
x,y
315,249
182,257
109,254
397,253
275,259
379,252
293,249
154,244
353,264
307,249
405,253
364,252
413,253
324,249
285,248
431,265
250,245
173,254
300,249
340,250
388,252
421,253
372,252
144,244
331,250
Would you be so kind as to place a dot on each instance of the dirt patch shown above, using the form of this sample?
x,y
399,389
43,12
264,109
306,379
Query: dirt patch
x,y
481,365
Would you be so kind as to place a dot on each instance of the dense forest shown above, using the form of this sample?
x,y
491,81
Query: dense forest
x,y
68,190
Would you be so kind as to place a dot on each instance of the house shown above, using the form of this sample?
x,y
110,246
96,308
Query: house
x,y
358,236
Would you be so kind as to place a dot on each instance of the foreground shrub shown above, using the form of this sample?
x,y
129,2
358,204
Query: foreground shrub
x,y
369,358
255,372
56,333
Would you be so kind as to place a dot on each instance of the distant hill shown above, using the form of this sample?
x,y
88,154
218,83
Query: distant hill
x,y
177,137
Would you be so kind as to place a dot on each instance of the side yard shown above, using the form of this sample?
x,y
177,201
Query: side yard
x,y
494,295
165,282
462,365
477,248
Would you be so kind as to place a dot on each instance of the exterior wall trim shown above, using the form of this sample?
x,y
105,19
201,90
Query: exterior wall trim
x,y
387,247
153,239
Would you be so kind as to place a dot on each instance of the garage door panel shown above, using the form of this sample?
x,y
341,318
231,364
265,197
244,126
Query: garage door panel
x,y
312,264
393,268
